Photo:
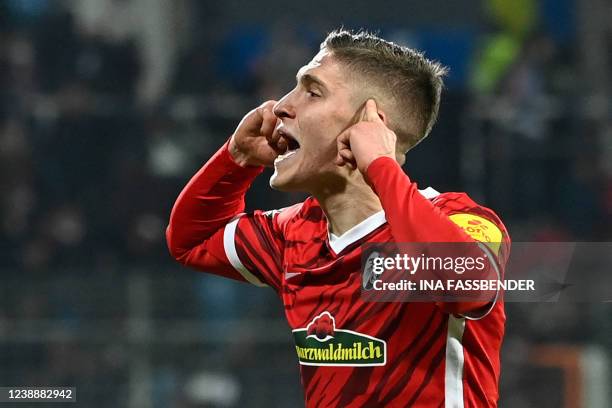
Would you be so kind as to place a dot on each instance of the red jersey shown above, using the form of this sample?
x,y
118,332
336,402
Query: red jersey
x,y
352,353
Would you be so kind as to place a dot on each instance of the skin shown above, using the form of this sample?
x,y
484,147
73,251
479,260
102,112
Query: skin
x,y
340,134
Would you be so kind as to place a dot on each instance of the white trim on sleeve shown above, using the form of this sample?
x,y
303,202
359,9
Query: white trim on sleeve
x,y
493,262
429,193
229,243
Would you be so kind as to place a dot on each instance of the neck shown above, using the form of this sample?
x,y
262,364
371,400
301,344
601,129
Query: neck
x,y
347,202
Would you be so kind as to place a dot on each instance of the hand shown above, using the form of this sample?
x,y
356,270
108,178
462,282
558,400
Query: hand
x,y
366,141
255,141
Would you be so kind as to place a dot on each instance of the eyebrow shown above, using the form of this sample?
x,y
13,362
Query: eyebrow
x,y
307,79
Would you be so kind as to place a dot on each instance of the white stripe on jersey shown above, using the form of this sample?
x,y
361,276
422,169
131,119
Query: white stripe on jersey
x,y
229,243
453,375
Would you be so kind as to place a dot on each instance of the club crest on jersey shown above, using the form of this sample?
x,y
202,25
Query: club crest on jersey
x,y
369,277
322,344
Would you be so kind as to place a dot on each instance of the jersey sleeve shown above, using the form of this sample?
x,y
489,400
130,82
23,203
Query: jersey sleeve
x,y
482,225
209,231
254,244
479,223
451,217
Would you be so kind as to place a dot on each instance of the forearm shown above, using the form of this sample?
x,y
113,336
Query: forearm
x,y
405,207
213,196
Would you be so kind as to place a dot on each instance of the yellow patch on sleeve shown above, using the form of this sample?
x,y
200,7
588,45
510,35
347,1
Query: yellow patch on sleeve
x,y
480,229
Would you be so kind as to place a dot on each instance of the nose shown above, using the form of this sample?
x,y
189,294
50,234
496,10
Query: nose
x,y
284,108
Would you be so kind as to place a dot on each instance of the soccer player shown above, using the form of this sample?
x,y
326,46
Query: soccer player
x,y
341,135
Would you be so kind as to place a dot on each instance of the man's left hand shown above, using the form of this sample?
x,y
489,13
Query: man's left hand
x,y
366,141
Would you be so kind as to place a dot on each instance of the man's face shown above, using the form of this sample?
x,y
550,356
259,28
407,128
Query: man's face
x,y
312,116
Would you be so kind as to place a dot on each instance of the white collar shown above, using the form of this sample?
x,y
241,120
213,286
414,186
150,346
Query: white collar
x,y
429,193
338,243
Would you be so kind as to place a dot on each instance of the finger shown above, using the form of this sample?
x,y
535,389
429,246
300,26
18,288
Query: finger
x,y
347,155
267,105
363,117
345,158
254,119
342,144
277,142
371,111
268,123
339,161
274,137
343,141
282,145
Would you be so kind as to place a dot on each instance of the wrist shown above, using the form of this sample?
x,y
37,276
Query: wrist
x,y
380,167
237,156
377,159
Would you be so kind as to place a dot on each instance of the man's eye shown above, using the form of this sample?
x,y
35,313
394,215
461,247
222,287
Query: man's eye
x,y
313,94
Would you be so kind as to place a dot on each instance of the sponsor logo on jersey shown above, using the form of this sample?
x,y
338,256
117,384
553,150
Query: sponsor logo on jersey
x,y
322,344
480,229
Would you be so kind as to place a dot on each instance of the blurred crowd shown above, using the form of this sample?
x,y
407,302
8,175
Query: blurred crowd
x,y
92,155
90,169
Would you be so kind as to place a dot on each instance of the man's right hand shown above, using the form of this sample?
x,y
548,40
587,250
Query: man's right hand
x,y
255,141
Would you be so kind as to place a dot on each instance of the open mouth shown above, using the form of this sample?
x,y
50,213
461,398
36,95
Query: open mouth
x,y
292,146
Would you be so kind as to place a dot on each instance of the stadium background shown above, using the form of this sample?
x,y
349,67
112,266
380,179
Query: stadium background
x,y
107,107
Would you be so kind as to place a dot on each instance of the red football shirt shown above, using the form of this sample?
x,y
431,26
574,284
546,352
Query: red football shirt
x,y
352,353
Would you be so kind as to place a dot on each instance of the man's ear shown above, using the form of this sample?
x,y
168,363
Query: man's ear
x,y
360,114
383,116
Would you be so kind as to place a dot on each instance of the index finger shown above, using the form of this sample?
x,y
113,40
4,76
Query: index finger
x,y
268,123
370,113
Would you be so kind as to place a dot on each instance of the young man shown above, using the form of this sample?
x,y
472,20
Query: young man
x,y
341,135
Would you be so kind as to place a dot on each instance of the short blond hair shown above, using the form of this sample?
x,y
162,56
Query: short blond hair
x,y
413,82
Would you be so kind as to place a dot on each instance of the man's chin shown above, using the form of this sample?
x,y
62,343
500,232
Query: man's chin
x,y
283,183
277,184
